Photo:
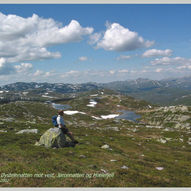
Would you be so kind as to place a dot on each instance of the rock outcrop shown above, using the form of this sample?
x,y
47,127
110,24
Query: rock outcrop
x,y
28,131
53,138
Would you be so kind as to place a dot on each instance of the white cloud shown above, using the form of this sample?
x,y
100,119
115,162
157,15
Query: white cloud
x,y
112,71
94,38
5,68
123,57
2,62
38,73
83,58
24,67
48,74
184,67
123,71
25,39
155,52
168,61
119,38
70,73
159,70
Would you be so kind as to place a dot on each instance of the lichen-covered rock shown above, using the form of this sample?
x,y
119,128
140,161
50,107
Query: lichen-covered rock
x,y
184,118
53,138
184,109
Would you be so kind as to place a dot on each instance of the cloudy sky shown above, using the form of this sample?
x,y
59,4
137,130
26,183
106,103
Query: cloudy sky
x,y
94,43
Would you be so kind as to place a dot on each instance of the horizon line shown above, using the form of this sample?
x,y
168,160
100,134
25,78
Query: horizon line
x,y
170,78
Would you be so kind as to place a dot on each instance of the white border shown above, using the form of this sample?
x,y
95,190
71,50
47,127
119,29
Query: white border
x,y
96,189
95,2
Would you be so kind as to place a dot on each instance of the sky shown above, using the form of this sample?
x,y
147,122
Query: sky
x,y
79,43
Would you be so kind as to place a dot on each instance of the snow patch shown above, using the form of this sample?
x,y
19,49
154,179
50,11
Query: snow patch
x,y
109,116
69,112
98,118
92,103
25,93
47,96
94,95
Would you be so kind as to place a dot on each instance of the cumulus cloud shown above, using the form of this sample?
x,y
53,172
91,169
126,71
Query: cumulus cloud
x,y
5,68
184,67
159,70
24,39
23,67
112,71
168,61
155,52
70,73
83,58
94,38
38,73
43,74
119,38
123,57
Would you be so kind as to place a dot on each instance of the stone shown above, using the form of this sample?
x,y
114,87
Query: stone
x,y
159,168
9,119
105,147
82,156
3,131
53,137
104,171
124,167
112,128
113,160
28,131
177,126
184,109
162,140
184,118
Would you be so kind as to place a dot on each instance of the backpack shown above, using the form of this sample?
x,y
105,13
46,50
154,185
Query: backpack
x,y
54,121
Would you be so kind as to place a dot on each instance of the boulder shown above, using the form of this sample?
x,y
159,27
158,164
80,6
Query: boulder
x,y
112,128
3,131
184,118
53,137
124,167
184,109
28,131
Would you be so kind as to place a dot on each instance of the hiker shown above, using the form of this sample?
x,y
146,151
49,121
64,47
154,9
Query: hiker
x,y
62,126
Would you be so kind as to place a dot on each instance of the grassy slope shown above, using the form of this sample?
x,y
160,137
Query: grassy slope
x,y
137,150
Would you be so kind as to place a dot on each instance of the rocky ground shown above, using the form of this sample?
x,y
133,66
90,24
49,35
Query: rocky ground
x,y
152,152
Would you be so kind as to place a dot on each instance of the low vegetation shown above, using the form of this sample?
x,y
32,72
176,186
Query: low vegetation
x,y
152,152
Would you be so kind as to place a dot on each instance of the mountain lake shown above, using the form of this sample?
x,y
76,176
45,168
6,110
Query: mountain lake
x,y
126,114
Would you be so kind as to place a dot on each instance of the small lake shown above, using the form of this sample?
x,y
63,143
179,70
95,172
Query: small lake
x,y
60,106
128,115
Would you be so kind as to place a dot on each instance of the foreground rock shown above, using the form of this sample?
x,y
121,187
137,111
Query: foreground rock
x,y
53,138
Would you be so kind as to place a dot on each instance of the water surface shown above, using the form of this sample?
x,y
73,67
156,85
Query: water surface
x,y
128,115
60,106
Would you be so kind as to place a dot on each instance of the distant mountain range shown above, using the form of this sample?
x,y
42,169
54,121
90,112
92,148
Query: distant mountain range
x,y
56,87
164,92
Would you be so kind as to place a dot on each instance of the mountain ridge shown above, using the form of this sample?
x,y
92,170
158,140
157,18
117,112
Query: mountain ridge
x,y
164,92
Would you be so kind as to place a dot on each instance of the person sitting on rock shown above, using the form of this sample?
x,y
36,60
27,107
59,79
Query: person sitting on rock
x,y
62,126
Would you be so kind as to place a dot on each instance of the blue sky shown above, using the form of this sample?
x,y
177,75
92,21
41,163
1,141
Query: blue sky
x,y
97,43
